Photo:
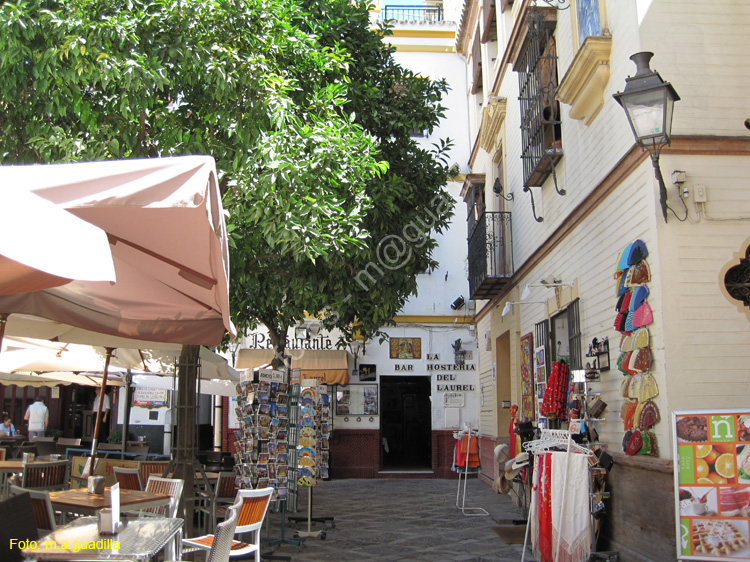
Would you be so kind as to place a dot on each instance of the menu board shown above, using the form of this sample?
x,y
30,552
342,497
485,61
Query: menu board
x,y
712,484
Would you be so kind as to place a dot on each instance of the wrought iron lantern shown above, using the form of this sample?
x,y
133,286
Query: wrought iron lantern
x,y
648,102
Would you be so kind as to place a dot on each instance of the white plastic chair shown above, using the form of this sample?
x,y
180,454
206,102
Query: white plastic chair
x,y
252,506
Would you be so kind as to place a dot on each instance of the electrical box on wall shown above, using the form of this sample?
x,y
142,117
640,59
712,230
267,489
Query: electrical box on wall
x,y
699,193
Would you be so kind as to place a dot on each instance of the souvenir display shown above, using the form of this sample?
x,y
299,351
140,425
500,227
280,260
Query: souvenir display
x,y
712,484
313,434
633,315
262,443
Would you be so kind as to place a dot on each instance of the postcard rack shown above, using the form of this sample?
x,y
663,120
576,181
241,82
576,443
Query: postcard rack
x,y
467,462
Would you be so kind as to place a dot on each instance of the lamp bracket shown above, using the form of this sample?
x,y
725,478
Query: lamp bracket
x,y
533,206
556,4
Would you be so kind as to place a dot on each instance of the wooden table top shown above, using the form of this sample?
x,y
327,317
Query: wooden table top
x,y
80,498
14,465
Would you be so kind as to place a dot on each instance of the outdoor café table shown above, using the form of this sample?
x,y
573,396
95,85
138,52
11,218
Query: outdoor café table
x,y
81,502
139,539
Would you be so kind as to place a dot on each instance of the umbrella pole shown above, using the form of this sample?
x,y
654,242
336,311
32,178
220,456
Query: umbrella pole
x,y
101,400
126,420
3,320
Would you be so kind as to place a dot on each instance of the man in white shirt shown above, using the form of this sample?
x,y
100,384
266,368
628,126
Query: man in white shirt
x,y
104,427
37,415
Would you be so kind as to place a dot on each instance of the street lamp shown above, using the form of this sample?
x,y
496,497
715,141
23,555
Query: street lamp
x,y
648,102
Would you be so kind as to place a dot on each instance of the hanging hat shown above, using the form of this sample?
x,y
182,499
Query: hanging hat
x,y
621,288
634,389
642,361
620,320
622,259
639,295
649,415
640,338
624,386
626,342
648,388
631,366
628,414
622,362
642,316
618,306
502,484
635,443
649,444
627,298
641,273
637,252
625,439
521,460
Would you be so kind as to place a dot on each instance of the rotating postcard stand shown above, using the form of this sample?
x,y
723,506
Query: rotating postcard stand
x,y
467,462
312,445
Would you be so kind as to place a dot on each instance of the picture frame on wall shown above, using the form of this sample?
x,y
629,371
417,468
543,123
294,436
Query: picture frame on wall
x,y
367,372
406,348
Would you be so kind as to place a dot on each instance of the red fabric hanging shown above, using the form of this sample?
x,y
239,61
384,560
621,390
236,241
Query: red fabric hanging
x,y
470,443
545,509
554,403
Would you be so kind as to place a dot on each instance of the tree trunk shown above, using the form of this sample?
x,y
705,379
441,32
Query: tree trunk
x,y
278,344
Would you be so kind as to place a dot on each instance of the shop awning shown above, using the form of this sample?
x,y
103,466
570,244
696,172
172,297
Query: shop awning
x,y
328,366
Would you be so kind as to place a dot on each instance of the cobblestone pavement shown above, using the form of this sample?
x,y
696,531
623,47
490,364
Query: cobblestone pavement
x,y
399,520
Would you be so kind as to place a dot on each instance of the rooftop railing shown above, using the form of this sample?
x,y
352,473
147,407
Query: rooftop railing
x,y
426,14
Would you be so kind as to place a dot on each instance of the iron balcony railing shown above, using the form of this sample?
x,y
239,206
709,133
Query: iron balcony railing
x,y
490,254
427,14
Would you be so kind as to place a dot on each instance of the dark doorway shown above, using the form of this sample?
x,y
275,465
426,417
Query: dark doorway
x,y
405,424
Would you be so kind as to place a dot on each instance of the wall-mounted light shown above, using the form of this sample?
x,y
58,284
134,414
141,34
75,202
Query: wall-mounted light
x,y
458,303
497,188
509,305
548,282
301,333
648,102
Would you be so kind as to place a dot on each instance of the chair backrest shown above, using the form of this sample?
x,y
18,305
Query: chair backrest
x,y
225,487
148,468
16,522
171,486
252,510
37,439
26,448
3,450
46,475
223,537
69,441
45,446
128,478
42,507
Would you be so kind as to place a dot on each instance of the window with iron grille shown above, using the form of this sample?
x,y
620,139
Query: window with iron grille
x,y
541,134
541,338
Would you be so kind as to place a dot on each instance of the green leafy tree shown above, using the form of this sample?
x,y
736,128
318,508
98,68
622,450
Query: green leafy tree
x,y
333,206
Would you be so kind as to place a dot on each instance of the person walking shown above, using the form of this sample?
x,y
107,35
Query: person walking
x,y
104,426
37,415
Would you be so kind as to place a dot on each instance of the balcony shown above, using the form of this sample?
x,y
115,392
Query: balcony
x,y
424,14
490,255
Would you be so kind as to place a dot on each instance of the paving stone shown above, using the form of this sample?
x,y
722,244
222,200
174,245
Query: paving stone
x,y
399,520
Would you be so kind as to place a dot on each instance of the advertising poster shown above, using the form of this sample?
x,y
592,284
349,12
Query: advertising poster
x,y
712,484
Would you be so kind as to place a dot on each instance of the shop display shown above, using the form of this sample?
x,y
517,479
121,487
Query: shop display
x,y
712,484
264,441
639,412
313,434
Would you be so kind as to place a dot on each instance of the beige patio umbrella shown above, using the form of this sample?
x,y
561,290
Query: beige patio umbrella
x,y
165,225
44,246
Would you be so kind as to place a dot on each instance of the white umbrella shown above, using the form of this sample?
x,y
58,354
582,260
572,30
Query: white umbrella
x,y
44,246
165,224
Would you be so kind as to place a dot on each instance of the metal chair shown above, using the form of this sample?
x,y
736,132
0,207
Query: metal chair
x,y
252,506
171,486
224,495
26,447
63,443
128,478
147,468
46,475
42,506
222,539
16,522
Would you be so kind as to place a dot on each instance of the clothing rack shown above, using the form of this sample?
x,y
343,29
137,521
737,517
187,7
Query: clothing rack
x,y
549,440
466,436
